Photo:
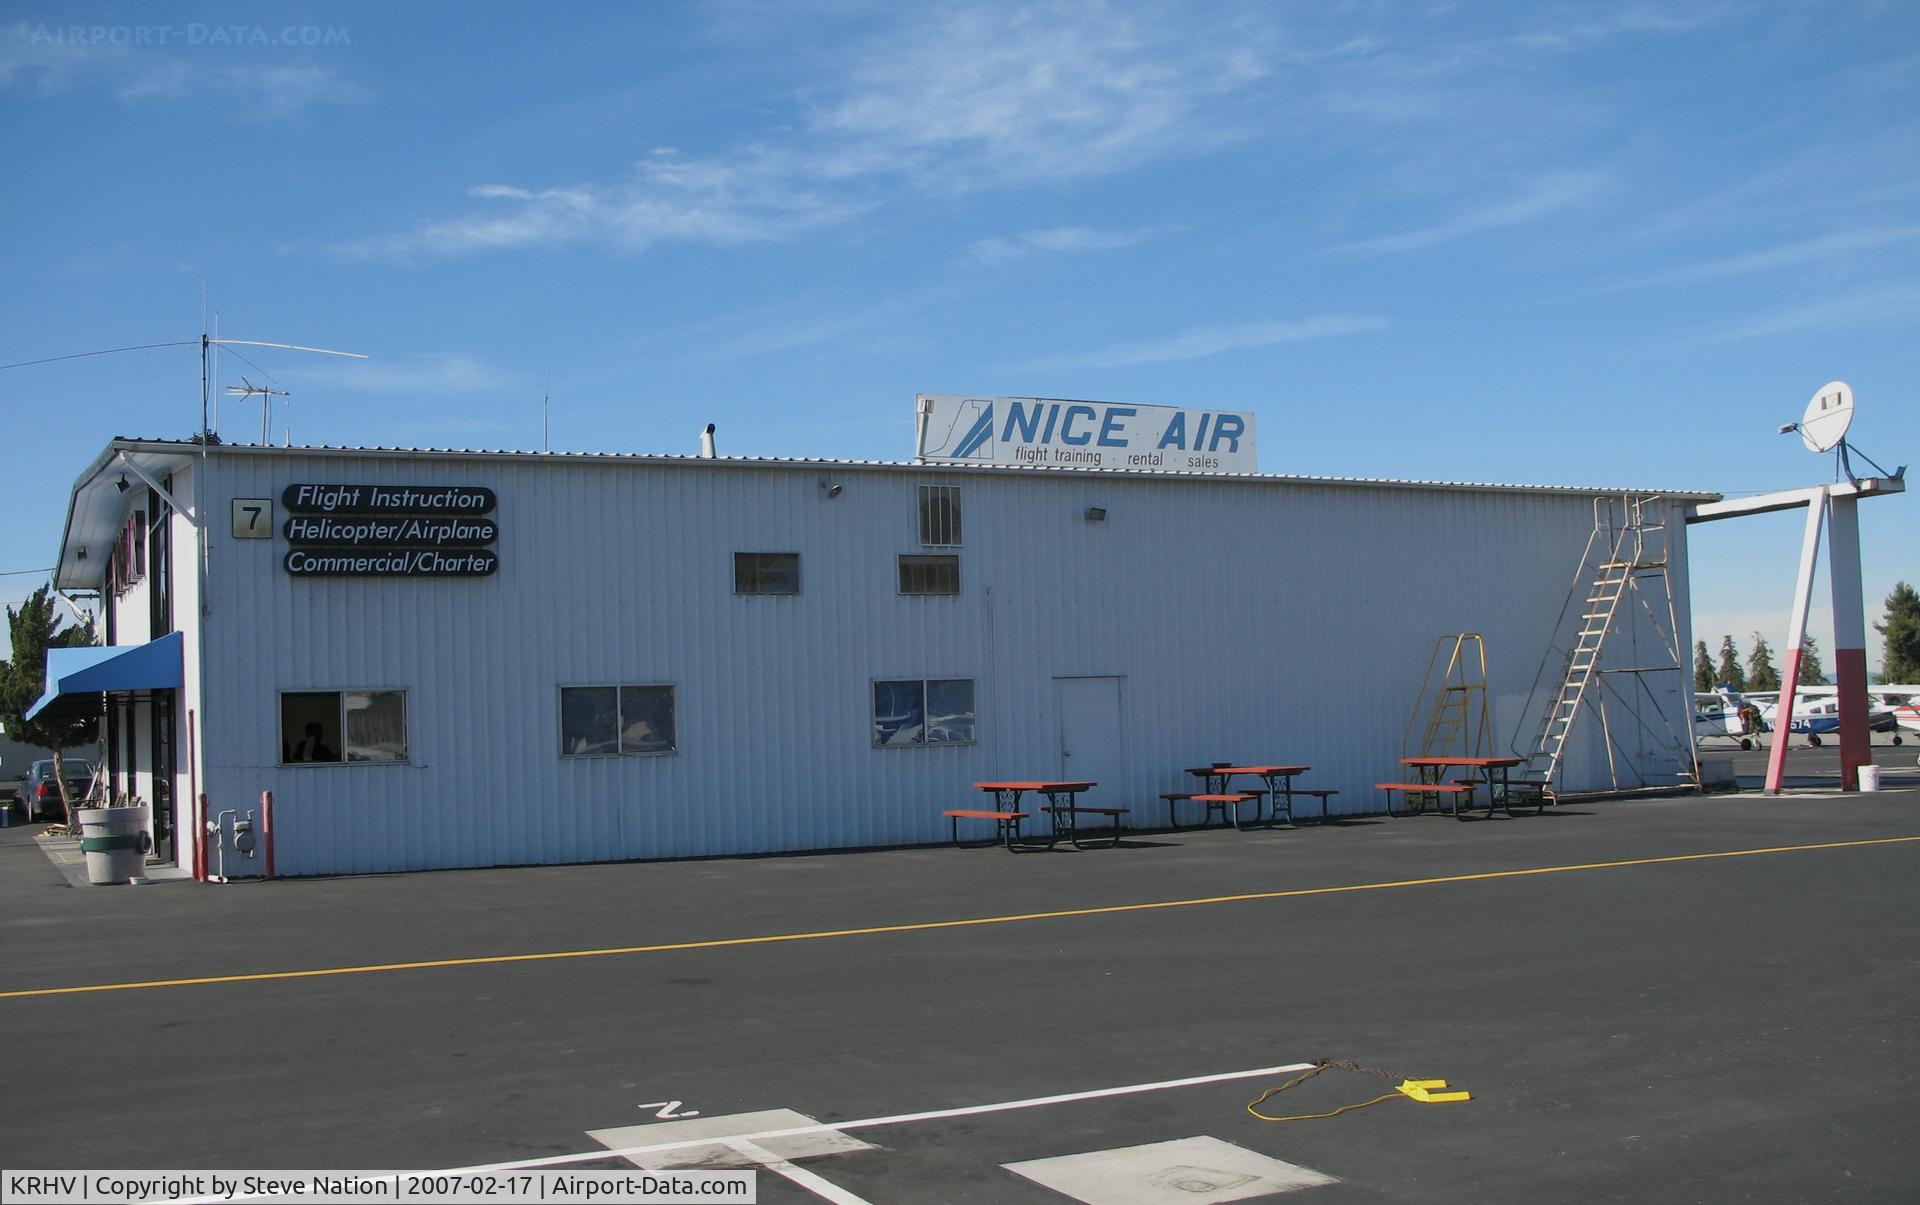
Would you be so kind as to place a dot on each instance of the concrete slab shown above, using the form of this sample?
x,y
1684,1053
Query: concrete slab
x,y
66,856
794,1147
1184,1171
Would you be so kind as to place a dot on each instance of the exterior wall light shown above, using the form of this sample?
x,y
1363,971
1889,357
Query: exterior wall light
x,y
1096,514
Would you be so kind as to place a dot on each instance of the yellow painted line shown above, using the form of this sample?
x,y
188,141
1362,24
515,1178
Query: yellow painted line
x,y
923,926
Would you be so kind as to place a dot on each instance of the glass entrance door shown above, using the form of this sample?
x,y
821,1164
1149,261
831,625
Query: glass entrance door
x,y
163,763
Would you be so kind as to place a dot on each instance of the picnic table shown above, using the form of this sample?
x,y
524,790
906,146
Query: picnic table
x,y
1063,818
1491,772
1278,780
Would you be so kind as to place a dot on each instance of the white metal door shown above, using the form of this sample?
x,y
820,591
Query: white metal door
x,y
1091,744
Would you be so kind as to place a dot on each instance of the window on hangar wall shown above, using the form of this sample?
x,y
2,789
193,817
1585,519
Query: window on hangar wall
x,y
922,711
923,574
940,516
615,721
766,573
330,726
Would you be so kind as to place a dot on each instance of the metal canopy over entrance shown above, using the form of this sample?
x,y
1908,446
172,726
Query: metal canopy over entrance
x,y
76,677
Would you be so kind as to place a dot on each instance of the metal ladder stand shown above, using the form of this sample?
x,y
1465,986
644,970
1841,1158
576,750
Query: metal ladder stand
x,y
1462,690
1630,538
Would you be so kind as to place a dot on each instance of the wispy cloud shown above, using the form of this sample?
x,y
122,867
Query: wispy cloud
x,y
1825,249
1203,341
1893,305
1583,25
31,60
1532,200
446,373
1051,92
956,99
1059,240
135,70
280,90
667,198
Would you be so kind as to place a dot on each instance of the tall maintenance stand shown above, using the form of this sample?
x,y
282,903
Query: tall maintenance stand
x,y
1623,575
1455,704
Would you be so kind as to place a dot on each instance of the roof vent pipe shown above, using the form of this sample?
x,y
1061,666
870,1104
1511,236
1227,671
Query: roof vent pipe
x,y
706,443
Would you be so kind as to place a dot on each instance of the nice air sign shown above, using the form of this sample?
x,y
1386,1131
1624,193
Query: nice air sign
x,y
957,429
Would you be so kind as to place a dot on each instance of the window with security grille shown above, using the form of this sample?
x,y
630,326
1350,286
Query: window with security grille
x,y
930,574
940,516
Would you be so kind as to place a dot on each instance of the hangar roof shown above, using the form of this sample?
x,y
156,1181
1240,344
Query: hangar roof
x,y
99,505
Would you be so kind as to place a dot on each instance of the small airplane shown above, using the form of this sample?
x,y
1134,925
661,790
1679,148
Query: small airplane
x,y
1903,701
1816,713
1725,714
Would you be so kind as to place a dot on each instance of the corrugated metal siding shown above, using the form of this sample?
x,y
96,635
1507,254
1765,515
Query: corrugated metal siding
x,y
1251,620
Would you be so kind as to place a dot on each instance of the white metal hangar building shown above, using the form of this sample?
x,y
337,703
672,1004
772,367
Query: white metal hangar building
x,y
452,658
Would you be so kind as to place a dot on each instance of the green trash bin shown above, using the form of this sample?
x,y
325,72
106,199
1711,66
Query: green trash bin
x,y
115,841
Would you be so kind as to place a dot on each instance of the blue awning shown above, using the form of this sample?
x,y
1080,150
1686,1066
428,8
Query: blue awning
x,y
77,674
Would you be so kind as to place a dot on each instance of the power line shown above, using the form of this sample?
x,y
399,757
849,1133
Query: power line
x,y
105,351
24,572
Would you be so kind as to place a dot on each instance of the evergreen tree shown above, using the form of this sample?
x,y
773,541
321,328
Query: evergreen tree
x,y
1729,671
1812,673
1900,660
1702,668
34,629
1761,675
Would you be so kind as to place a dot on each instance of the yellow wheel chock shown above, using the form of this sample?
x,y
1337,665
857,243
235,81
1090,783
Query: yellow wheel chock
x,y
1432,1091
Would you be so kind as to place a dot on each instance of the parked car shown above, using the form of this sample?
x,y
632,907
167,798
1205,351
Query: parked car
x,y
38,794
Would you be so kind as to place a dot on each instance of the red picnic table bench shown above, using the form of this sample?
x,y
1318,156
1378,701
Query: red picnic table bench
x,y
1219,796
1488,771
1063,818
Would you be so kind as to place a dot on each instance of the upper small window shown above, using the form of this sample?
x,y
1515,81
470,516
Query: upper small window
x,y
766,573
129,563
940,516
930,574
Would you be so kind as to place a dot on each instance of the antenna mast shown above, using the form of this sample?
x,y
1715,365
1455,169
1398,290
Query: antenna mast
x,y
207,344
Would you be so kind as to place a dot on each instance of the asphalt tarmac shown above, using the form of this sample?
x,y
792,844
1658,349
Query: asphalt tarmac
x,y
1698,999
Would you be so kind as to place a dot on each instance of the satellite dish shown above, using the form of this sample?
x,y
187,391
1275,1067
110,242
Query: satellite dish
x,y
1828,416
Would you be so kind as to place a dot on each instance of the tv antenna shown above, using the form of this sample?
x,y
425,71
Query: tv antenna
x,y
1823,428
207,343
247,388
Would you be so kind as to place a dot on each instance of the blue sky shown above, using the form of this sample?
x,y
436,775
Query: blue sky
x,y
1584,244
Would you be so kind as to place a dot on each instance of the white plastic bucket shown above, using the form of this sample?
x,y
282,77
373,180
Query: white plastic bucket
x,y
1869,778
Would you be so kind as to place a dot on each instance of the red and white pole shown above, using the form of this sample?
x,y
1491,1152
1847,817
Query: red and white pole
x,y
1849,638
1796,635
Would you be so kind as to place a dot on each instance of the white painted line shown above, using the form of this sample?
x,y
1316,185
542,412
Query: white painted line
x,y
1033,1102
814,1184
